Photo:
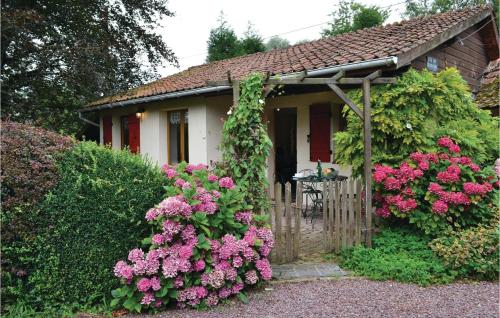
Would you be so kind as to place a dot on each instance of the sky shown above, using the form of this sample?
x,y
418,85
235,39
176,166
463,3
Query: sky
x,y
187,32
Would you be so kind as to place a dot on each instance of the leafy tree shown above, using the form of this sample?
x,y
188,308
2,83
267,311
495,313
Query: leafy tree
x,y
59,55
352,16
276,42
252,42
223,42
416,8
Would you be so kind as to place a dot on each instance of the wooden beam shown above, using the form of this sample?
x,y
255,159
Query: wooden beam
x,y
229,80
374,75
270,88
236,92
346,100
367,128
339,75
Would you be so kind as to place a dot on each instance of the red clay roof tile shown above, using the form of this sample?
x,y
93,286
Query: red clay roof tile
x,y
377,42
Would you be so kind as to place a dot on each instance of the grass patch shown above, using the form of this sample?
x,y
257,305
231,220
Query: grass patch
x,y
400,255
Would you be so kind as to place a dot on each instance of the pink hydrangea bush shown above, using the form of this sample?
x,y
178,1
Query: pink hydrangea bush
x,y
205,247
437,192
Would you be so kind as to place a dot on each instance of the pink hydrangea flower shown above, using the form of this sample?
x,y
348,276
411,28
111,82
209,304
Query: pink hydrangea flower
x,y
123,270
147,299
178,282
264,268
135,255
212,178
434,188
244,217
199,265
154,283
226,182
439,207
158,239
454,148
251,277
445,142
143,285
212,299
392,184
383,211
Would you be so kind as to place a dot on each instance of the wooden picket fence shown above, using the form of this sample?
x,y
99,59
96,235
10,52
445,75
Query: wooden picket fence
x,y
343,218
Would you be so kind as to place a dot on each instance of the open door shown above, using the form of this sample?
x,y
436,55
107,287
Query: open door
x,y
285,132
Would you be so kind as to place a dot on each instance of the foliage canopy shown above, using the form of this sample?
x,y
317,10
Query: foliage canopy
x,y
351,16
60,55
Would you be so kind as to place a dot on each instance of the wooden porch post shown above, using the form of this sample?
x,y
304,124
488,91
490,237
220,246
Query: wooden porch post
x,y
367,127
236,92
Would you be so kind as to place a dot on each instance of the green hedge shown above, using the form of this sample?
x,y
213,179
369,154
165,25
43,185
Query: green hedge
x,y
89,220
398,254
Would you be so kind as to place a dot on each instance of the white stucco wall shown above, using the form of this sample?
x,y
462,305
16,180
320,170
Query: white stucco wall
x,y
205,127
154,125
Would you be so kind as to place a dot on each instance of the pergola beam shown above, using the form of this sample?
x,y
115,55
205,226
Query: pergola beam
x,y
340,93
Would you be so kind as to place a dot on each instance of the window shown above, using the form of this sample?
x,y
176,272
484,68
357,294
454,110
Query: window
x,y
130,132
178,149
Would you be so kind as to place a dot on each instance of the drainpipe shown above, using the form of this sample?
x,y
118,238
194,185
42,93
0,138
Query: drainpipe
x,y
87,121
386,61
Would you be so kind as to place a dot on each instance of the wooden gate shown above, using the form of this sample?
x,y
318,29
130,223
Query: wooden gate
x,y
342,218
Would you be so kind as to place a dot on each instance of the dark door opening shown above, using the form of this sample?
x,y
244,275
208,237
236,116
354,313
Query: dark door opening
x,y
285,135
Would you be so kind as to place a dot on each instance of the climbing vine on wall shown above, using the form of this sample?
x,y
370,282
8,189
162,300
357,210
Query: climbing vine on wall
x,y
245,143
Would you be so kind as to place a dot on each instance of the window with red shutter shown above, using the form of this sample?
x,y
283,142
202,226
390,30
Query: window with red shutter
x,y
107,130
134,133
320,134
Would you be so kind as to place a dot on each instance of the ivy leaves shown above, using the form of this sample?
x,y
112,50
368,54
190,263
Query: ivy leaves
x,y
245,143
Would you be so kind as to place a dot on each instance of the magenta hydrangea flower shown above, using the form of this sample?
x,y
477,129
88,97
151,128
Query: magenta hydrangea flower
x,y
199,265
212,178
226,182
439,207
173,206
445,142
212,300
135,255
143,285
147,299
158,239
392,183
383,211
244,217
154,283
178,282
251,277
264,268
123,270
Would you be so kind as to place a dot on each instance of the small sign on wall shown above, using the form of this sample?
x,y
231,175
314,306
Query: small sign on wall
x,y
432,64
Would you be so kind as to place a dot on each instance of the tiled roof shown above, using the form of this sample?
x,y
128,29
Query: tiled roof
x,y
377,42
488,95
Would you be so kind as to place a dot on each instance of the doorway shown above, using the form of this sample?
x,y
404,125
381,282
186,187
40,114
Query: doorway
x,y
285,135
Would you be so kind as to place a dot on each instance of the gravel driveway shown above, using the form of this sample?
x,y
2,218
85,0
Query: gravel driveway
x,y
358,298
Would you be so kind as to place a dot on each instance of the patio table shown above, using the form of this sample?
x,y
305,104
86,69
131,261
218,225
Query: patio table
x,y
310,187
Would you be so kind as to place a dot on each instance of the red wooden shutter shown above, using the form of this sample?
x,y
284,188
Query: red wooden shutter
x,y
319,126
134,131
107,130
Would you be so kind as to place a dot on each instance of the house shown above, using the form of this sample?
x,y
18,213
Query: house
x,y
488,95
180,117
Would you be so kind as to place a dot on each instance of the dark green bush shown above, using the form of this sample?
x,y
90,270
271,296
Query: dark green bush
x,y
89,220
28,171
400,255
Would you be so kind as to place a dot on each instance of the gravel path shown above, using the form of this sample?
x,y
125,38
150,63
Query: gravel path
x,y
358,298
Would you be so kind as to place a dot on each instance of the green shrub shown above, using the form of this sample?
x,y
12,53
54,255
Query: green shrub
x,y
28,171
90,219
473,252
400,255
411,114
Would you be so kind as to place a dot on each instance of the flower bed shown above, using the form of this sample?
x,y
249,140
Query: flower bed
x,y
206,246
438,192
